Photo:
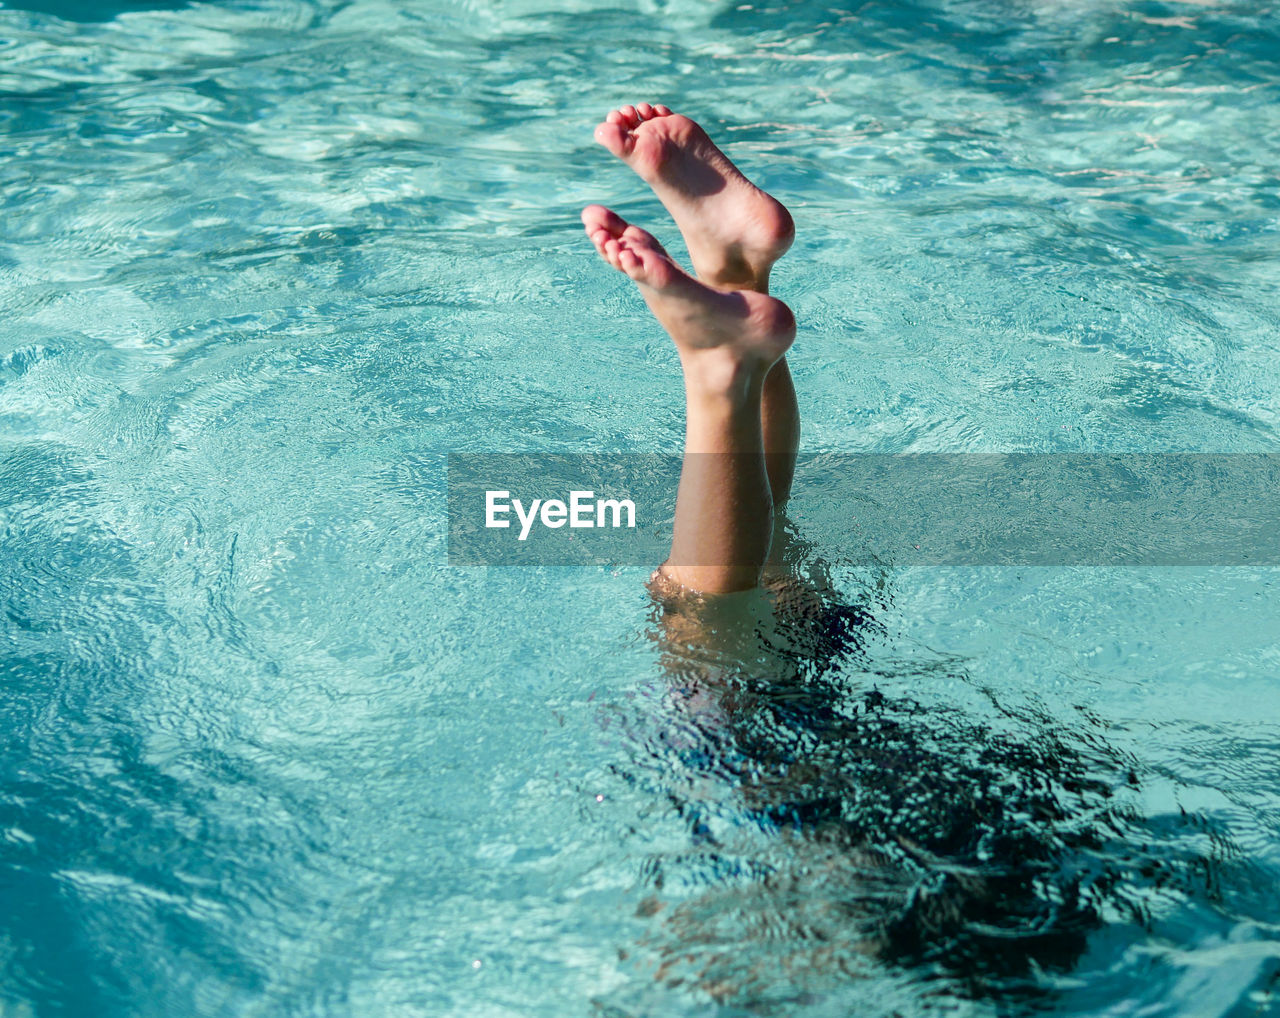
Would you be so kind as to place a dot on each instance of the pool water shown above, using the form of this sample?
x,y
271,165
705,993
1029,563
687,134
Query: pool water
x,y
264,264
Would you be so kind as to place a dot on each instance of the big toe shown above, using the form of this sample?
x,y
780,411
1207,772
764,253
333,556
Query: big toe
x,y
616,138
597,217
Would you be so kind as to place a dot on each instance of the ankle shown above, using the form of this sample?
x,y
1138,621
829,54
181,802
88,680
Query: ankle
x,y
719,380
738,274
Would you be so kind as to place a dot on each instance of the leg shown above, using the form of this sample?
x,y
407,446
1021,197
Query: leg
x,y
780,421
728,340
734,232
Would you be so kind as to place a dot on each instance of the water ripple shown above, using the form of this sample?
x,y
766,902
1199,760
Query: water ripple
x,y
266,261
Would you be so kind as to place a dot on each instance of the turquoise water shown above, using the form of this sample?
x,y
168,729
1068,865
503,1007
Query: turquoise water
x,y
265,263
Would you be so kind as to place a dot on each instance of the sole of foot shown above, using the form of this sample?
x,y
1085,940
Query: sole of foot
x,y
734,230
727,339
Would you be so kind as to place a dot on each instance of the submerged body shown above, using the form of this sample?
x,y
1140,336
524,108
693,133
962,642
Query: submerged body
x,y
911,838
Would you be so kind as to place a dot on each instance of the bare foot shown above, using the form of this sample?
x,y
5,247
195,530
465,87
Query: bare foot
x,y
734,231
727,339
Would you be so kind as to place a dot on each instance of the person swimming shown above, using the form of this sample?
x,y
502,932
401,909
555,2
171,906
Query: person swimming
x,y
742,423
913,836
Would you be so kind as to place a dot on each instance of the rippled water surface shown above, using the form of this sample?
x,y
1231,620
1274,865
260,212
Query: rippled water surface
x,y
264,263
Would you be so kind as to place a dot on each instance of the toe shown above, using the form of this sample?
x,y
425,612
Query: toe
x,y
651,259
600,238
639,237
645,110
594,216
613,222
616,138
629,116
595,229
661,111
597,217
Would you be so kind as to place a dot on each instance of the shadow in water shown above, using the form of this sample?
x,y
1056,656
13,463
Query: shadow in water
x,y
836,835
91,10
